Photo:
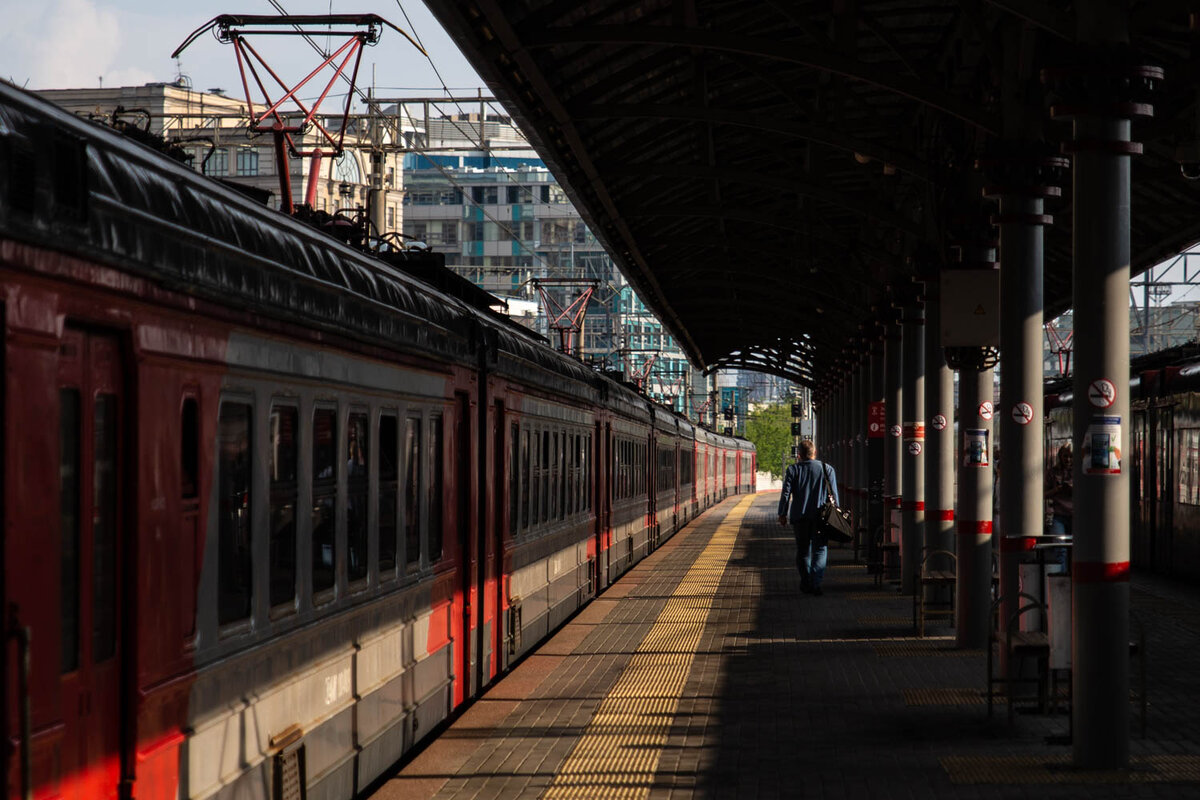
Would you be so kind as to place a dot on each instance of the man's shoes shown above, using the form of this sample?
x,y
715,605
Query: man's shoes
x,y
817,591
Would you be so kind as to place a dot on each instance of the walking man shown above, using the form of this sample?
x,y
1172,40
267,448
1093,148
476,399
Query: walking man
x,y
807,484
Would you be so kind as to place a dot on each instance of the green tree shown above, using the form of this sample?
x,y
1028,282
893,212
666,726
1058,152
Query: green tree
x,y
770,429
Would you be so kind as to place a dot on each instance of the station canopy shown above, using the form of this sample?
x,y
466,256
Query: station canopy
x,y
777,178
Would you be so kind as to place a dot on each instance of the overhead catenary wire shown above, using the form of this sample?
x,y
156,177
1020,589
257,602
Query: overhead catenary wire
x,y
550,269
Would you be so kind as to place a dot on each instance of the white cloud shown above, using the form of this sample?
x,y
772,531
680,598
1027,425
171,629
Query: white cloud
x,y
76,44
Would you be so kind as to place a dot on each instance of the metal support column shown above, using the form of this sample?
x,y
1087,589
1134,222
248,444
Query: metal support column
x,y
974,509
1110,86
912,531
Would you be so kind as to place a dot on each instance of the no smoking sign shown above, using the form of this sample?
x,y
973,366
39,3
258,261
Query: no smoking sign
x,y
985,410
1022,413
1102,393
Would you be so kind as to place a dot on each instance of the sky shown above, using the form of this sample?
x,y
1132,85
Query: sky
x,y
60,44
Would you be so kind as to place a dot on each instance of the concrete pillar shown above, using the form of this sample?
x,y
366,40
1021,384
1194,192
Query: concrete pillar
x,y
1100,94
1021,464
892,448
939,433
861,469
974,509
912,529
876,436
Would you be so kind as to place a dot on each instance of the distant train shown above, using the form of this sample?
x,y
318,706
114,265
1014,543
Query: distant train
x,y
273,507
1163,456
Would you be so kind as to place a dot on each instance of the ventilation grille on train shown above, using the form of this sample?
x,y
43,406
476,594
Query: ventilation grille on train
x,y
514,626
289,765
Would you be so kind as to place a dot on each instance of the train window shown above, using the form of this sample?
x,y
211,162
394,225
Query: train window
x,y
514,486
525,473
189,448
544,513
555,475
324,499
233,512
564,476
435,490
69,173
587,473
358,462
535,478
412,488
68,514
572,467
282,456
388,473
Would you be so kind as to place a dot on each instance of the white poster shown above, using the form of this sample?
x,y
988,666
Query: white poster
x,y
1102,447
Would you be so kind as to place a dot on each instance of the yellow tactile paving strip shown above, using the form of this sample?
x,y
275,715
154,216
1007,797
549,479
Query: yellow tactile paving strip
x,y
944,697
618,753
1058,769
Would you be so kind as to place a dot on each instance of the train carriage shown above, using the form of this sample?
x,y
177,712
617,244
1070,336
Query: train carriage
x,y
274,508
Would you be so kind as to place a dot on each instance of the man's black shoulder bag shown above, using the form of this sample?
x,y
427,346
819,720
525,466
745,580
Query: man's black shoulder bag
x,y
834,522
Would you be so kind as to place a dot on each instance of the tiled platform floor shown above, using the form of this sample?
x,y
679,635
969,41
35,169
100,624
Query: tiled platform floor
x,y
705,672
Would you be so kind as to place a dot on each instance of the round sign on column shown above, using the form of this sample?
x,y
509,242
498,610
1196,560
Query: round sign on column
x,y
1102,393
938,423
914,448
895,431
1022,413
985,410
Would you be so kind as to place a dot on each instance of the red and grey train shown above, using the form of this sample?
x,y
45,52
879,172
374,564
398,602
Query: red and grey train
x,y
1163,456
273,507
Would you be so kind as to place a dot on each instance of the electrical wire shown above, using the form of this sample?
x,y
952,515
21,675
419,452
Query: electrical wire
x,y
447,174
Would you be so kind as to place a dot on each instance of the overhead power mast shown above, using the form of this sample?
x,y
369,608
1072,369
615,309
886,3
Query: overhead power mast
x,y
287,116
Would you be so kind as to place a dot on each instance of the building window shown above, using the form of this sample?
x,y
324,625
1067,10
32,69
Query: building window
x,y
474,232
216,163
391,217
450,232
247,162
485,195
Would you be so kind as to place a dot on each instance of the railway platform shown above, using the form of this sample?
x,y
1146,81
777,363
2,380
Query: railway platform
x,y
705,672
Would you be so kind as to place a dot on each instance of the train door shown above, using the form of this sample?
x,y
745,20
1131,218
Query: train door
x,y
651,493
1162,426
494,576
1142,535
596,504
466,556
604,467
92,461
